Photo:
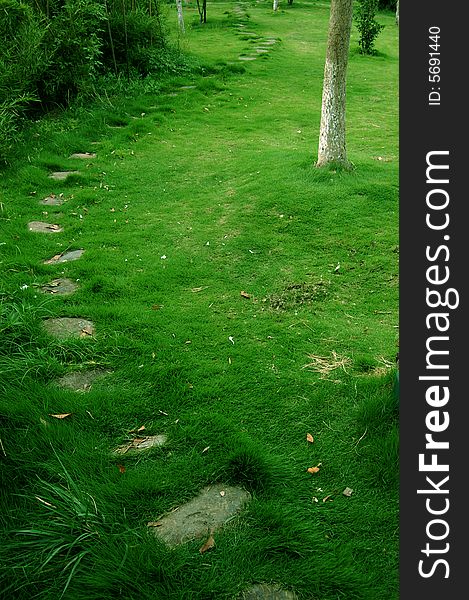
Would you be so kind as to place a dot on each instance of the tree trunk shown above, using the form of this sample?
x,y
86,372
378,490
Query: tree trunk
x,y
180,17
332,147
275,6
397,13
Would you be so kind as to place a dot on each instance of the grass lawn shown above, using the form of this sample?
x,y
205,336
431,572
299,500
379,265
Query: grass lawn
x,y
242,299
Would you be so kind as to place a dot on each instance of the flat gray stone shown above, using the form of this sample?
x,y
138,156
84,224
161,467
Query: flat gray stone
x,y
41,227
81,381
204,514
261,50
246,57
187,87
65,257
62,175
53,200
83,155
269,42
264,591
61,286
141,443
66,327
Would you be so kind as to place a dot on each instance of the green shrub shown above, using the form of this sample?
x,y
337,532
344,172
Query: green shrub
x,y
133,38
368,27
73,44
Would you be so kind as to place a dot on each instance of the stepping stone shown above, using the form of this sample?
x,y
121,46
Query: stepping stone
x,y
83,155
61,287
65,257
264,591
53,200
144,442
66,327
188,87
202,515
268,42
261,50
62,175
81,381
41,227
247,57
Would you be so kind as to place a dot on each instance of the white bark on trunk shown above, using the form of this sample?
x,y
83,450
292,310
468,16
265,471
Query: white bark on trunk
x,y
180,16
332,147
397,13
275,7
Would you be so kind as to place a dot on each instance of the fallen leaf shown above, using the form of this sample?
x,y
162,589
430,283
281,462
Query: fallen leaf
x,y
314,499
61,416
309,438
154,524
245,295
162,412
210,543
141,428
121,468
347,492
53,259
327,498
222,493
205,449
44,502
313,469
156,307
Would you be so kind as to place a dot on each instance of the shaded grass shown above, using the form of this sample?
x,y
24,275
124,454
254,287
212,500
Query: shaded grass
x,y
192,199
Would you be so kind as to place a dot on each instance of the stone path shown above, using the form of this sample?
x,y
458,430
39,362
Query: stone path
x,y
65,257
81,381
217,504
138,444
53,200
83,155
41,227
264,591
240,11
201,516
61,286
62,175
66,327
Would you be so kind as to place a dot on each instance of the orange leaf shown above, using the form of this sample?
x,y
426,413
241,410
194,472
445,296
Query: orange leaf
x,y
313,469
245,294
61,416
121,468
309,438
210,543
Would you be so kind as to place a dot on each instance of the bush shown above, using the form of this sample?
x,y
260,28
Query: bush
x,y
72,44
131,41
367,25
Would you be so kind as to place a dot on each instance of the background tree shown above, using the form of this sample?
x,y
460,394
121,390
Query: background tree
x,y
332,148
397,13
367,25
180,16
202,10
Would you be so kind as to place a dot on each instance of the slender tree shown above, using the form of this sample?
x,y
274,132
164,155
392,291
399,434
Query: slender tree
x,y
397,13
332,147
180,16
275,5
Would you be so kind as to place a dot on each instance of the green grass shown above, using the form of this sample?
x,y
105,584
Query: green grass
x,y
192,199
